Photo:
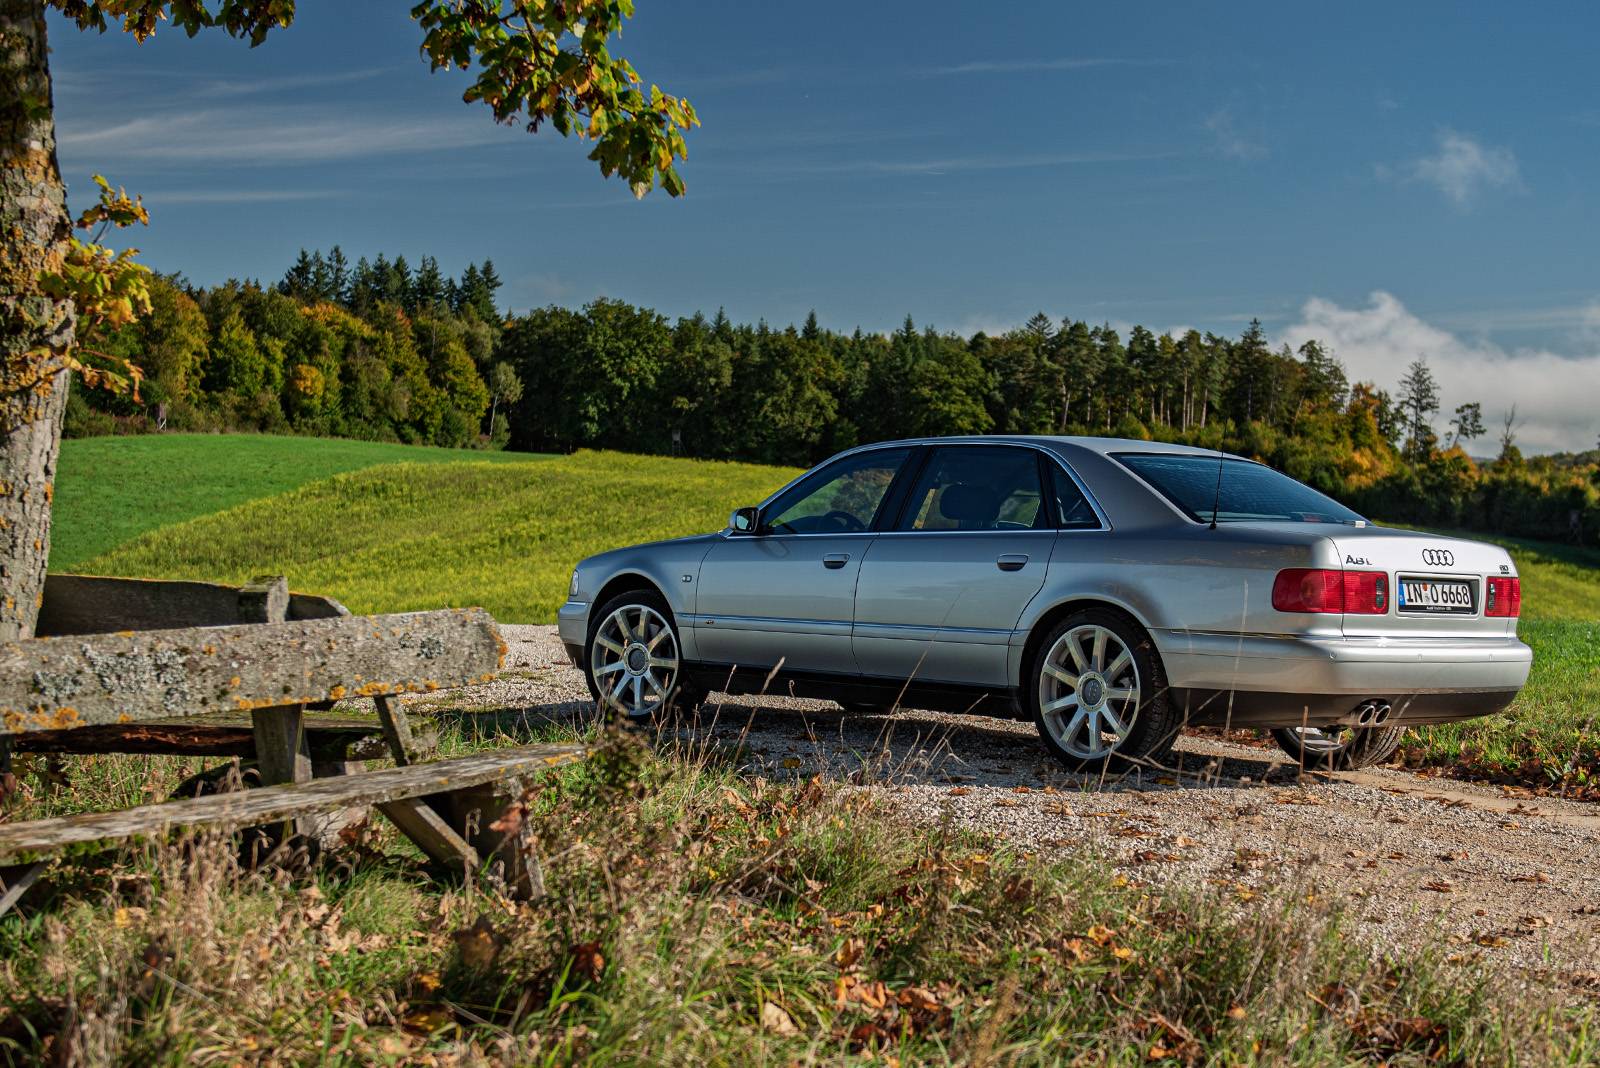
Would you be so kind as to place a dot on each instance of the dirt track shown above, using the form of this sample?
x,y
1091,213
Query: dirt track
x,y
1509,877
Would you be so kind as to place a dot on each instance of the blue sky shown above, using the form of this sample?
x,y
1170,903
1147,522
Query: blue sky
x,y
1396,179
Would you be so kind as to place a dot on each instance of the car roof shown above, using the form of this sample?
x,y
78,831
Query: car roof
x,y
1102,446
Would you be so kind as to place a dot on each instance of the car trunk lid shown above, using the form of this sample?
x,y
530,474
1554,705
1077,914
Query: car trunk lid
x,y
1429,577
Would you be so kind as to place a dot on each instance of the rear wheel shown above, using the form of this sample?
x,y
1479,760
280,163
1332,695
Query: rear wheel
x,y
634,659
1098,694
1338,748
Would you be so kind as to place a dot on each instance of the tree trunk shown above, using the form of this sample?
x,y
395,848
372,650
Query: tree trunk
x,y
35,331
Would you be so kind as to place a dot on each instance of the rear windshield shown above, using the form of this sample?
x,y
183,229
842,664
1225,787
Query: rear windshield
x,y
1249,491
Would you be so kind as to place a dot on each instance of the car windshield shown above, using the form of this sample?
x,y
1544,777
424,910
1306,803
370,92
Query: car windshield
x,y
1248,491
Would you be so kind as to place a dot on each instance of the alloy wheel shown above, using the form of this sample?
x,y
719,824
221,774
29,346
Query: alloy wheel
x,y
1089,691
1315,740
634,660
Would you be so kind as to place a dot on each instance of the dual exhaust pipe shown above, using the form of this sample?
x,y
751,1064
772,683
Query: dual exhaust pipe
x,y
1372,714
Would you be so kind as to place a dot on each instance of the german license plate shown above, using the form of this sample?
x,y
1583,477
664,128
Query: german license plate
x,y
1434,595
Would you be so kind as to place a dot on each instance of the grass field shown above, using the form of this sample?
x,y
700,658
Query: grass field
x,y
415,536
698,916
505,534
1551,736
110,490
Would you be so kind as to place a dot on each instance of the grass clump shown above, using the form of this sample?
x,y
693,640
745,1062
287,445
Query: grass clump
x,y
696,916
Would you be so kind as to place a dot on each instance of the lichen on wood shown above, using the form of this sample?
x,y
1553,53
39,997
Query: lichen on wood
x,y
67,682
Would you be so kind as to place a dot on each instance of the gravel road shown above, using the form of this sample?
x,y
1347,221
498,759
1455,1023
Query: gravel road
x,y
1494,872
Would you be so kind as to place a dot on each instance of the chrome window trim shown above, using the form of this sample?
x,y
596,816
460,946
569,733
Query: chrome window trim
x,y
1041,449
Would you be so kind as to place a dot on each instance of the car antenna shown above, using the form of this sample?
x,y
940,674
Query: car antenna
x,y
1216,498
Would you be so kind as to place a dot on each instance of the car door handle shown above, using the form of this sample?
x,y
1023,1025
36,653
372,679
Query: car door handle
x,y
835,560
1011,561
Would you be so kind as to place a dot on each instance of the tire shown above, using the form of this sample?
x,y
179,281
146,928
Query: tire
x,y
1132,722
1334,750
634,639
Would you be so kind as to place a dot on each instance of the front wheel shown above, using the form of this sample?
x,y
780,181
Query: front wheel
x,y
634,660
1338,748
1098,694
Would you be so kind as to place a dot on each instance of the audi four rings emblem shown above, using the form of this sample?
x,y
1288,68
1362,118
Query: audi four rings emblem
x,y
1438,557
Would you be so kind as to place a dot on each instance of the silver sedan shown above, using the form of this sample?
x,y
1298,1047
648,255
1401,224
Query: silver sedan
x,y
1112,591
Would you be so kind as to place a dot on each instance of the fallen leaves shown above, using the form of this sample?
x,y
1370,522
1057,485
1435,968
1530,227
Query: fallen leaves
x,y
479,945
776,1019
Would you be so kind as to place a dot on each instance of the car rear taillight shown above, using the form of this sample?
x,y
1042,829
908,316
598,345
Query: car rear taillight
x,y
1318,589
1504,597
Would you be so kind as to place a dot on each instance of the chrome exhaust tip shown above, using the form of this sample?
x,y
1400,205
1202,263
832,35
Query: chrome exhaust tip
x,y
1372,713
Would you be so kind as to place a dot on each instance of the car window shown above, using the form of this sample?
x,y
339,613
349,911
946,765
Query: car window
x,y
1237,490
840,499
1072,507
976,488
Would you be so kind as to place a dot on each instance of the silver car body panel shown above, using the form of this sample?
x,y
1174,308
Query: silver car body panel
x,y
936,606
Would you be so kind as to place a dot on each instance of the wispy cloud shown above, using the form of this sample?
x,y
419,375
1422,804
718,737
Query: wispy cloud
x,y
1229,140
998,161
285,83
1377,341
271,137
235,196
1026,66
1462,168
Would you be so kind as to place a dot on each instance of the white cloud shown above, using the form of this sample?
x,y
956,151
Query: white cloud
x,y
234,196
1000,161
1024,66
270,136
1464,167
1555,395
1230,141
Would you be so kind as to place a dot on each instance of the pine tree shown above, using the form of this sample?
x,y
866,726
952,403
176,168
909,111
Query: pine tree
x,y
467,289
811,331
1419,400
297,280
338,277
427,289
490,282
397,285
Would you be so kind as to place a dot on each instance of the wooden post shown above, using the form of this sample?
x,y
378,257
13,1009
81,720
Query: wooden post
x,y
264,599
432,834
396,730
14,882
281,751
513,855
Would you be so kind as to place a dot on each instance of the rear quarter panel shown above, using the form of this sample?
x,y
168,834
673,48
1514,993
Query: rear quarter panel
x,y
1184,584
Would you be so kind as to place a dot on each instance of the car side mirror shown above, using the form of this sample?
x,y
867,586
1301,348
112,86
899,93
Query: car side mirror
x,y
745,520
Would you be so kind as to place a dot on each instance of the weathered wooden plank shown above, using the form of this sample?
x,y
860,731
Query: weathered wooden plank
x,y
513,853
59,683
327,739
396,730
431,833
34,839
281,750
17,884
264,600
92,604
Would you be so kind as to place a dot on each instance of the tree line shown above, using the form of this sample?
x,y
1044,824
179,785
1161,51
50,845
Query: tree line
x,y
378,349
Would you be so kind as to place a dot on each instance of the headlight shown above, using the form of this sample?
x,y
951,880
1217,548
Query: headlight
x,y
572,587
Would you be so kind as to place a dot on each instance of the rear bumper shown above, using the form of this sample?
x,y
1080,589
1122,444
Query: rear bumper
x,y
1269,680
